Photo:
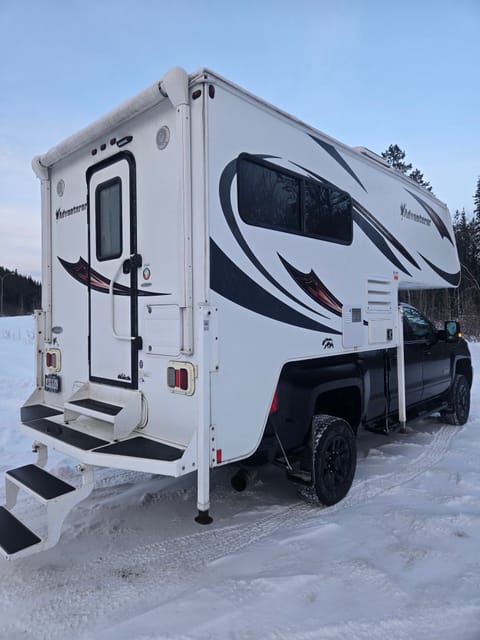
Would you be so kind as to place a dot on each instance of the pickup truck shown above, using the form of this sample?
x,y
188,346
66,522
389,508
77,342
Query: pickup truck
x,y
320,404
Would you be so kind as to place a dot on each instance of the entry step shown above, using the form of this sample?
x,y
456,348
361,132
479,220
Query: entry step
x,y
97,405
14,535
39,482
122,409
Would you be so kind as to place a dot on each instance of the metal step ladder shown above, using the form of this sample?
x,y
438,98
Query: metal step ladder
x,y
16,539
121,408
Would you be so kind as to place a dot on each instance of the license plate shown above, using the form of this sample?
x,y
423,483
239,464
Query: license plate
x,y
52,383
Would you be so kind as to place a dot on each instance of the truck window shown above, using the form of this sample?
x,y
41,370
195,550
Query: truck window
x,y
416,326
275,198
108,219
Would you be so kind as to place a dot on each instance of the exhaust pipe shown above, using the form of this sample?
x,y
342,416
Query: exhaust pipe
x,y
242,479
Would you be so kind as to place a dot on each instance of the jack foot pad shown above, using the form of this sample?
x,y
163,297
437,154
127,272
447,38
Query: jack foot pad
x,y
203,518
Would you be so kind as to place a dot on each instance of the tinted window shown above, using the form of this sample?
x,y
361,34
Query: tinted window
x,y
108,206
327,213
268,198
416,326
275,198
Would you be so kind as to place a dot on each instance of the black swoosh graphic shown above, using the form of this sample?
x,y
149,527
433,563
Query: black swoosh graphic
x,y
225,185
232,283
451,278
330,149
81,272
378,241
437,221
385,233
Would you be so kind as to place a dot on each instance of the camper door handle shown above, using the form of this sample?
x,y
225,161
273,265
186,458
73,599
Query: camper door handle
x,y
111,288
133,262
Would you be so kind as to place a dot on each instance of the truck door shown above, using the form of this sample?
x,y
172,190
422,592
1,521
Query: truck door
x,y
430,351
113,268
414,345
434,354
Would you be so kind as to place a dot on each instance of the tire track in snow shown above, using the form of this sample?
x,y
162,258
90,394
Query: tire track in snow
x,y
72,596
440,623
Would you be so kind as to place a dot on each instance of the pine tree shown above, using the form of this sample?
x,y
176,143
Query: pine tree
x,y
417,176
395,158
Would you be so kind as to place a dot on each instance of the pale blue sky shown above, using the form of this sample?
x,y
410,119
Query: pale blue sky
x,y
369,73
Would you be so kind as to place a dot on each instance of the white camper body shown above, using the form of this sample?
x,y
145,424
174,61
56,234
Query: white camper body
x,y
172,301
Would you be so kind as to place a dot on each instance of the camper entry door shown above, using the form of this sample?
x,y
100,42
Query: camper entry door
x,y
114,264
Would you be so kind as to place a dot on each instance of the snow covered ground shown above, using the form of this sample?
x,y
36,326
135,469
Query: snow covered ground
x,y
399,558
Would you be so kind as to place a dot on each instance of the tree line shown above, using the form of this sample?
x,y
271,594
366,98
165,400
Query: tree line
x,y
19,295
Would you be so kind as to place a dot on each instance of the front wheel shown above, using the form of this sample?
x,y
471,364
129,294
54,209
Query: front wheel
x,y
335,458
459,402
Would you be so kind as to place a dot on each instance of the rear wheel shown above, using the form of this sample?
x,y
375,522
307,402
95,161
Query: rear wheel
x,y
459,402
335,458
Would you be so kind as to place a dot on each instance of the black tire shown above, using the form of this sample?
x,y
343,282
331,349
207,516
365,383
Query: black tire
x,y
335,458
459,402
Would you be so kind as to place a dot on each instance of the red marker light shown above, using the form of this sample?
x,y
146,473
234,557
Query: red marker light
x,y
274,406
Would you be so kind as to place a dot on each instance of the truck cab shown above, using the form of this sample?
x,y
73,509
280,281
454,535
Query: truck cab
x,y
333,397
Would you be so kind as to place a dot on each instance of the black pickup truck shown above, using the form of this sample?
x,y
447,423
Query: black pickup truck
x,y
320,404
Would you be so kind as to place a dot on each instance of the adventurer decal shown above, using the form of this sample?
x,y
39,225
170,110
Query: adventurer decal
x,y
437,221
96,281
407,214
66,213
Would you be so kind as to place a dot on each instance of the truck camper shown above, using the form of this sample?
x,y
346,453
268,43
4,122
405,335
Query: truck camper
x,y
220,285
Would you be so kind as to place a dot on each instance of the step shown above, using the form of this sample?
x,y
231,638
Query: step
x,y
97,406
67,435
39,482
123,409
91,408
14,535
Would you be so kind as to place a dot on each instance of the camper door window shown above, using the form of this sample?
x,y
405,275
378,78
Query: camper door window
x,y
275,198
108,219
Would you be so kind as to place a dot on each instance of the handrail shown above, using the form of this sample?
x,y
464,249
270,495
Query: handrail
x,y
112,305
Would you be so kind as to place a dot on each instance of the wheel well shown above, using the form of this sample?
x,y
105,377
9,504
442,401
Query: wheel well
x,y
464,368
343,403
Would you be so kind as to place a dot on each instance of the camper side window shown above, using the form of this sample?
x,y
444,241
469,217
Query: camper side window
x,y
108,219
327,213
268,198
275,198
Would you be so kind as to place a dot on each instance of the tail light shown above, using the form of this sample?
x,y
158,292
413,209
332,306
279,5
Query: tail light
x,y
181,377
53,360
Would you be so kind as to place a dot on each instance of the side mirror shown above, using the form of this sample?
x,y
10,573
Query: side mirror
x,y
452,331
